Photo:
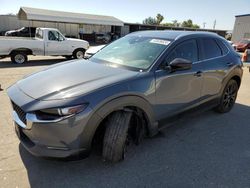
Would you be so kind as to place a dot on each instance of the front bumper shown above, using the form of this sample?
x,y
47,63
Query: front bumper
x,y
59,140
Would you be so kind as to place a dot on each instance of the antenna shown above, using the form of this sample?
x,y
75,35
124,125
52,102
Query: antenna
x,y
214,24
204,25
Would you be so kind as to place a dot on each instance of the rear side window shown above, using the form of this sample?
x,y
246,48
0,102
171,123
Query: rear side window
x,y
39,33
186,50
210,48
223,47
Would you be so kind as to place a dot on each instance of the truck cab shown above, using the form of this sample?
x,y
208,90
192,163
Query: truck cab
x,y
55,43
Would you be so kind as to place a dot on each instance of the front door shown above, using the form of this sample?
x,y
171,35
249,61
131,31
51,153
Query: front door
x,y
56,44
176,91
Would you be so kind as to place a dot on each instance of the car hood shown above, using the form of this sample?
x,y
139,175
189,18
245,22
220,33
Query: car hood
x,y
95,49
71,79
75,40
11,31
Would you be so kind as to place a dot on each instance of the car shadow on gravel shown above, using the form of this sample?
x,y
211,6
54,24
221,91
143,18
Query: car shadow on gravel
x,y
39,62
202,150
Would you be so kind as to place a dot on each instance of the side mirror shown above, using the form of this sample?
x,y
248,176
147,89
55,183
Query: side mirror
x,y
179,64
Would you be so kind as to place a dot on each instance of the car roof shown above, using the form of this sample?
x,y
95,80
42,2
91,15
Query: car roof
x,y
173,35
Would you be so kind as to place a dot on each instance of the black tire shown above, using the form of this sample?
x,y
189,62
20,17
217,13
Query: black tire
x,y
228,97
79,54
19,57
115,137
68,57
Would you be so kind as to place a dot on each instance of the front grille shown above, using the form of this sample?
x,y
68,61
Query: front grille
x,y
21,114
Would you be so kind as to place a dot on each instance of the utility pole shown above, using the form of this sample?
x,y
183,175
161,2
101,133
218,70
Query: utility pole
x,y
204,25
214,24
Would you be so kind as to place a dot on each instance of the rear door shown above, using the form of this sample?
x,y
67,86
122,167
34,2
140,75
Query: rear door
x,y
176,91
56,44
215,65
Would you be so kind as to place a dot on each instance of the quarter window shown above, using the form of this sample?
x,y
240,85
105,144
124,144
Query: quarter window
x,y
223,47
210,48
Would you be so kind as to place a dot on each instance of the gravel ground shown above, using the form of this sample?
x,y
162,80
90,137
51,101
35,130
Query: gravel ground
x,y
202,150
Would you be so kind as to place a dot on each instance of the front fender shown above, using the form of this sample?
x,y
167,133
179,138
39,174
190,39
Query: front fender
x,y
113,105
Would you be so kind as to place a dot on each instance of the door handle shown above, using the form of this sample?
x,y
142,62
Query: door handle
x,y
198,74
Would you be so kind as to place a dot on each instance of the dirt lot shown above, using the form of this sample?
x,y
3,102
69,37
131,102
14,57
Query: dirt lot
x,y
205,150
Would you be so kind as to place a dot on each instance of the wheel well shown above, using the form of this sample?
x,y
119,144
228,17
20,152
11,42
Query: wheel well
x,y
25,50
237,79
99,133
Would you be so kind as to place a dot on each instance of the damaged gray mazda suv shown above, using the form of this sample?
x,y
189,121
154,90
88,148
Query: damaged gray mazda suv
x,y
125,92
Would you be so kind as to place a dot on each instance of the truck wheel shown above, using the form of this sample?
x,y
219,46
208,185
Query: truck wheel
x,y
19,57
79,54
228,97
116,135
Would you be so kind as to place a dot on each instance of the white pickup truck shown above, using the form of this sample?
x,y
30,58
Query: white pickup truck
x,y
47,42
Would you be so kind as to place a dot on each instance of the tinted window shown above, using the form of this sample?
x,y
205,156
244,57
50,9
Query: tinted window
x,y
186,50
210,48
223,47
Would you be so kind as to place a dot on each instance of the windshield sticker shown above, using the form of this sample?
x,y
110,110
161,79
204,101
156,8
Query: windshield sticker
x,y
160,41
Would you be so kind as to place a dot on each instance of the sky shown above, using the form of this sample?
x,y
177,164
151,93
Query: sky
x,y
134,11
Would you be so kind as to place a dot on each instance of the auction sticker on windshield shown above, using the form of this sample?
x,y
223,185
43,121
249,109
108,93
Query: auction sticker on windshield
x,y
160,41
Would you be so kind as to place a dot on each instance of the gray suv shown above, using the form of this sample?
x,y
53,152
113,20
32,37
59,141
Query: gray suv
x,y
123,93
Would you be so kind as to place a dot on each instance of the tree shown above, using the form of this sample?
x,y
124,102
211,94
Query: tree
x,y
189,23
153,21
150,21
159,19
176,23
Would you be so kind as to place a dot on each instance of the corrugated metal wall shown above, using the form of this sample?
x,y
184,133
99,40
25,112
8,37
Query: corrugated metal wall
x,y
9,22
241,28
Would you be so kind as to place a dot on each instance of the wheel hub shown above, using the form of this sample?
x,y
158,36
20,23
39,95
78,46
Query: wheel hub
x,y
79,55
19,58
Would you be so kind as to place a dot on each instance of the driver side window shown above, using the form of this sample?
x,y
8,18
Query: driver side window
x,y
55,36
186,50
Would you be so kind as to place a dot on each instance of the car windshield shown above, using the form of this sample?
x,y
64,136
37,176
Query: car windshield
x,y
136,52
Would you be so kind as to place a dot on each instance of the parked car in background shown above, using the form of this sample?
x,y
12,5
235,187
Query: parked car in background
x,y
124,92
242,45
102,38
93,50
2,33
23,32
47,41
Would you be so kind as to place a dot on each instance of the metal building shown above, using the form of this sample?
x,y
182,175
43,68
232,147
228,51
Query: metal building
x,y
70,24
241,27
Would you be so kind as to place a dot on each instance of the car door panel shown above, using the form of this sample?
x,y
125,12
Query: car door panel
x,y
180,89
56,44
215,67
176,91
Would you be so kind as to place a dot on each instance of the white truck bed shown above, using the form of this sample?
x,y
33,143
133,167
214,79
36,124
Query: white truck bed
x,y
7,44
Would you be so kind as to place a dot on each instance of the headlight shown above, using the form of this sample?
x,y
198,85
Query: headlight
x,y
60,113
65,111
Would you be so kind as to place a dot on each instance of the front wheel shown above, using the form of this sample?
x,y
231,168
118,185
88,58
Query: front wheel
x,y
116,135
19,57
228,97
79,54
